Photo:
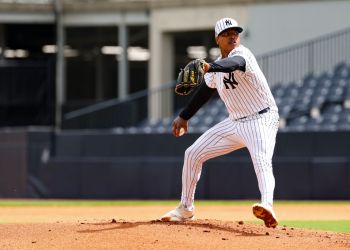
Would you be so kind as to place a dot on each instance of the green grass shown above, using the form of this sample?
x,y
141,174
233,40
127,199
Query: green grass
x,y
51,202
57,202
63,203
54,202
328,225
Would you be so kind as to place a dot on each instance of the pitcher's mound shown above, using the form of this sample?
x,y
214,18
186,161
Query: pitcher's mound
x,y
198,234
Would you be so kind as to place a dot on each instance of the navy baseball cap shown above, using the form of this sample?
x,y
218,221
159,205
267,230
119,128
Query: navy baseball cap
x,y
226,23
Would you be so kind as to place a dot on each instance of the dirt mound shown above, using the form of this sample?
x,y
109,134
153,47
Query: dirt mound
x,y
199,234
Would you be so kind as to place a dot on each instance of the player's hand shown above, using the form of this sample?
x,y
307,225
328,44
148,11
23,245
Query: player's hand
x,y
180,126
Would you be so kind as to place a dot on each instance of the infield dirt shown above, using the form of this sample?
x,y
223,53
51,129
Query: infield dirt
x,y
136,227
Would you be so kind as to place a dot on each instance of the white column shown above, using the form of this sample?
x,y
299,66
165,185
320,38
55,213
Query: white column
x,y
123,66
160,103
60,64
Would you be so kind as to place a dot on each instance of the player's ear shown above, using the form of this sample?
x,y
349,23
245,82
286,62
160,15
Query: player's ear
x,y
217,40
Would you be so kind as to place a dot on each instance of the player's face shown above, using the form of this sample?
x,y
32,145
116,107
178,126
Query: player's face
x,y
227,41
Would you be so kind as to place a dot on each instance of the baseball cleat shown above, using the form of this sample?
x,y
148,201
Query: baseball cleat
x,y
178,214
266,214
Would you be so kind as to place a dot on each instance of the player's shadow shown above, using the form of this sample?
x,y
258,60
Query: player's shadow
x,y
240,230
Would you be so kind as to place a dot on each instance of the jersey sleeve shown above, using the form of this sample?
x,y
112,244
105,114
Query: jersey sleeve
x,y
243,53
209,79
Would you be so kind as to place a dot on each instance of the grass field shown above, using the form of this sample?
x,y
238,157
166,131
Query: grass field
x,y
58,202
328,225
320,224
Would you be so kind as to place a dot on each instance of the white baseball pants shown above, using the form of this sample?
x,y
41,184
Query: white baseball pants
x,y
257,133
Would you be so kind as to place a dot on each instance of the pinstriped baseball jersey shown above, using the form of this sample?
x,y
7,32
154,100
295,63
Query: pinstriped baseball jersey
x,y
244,93
253,122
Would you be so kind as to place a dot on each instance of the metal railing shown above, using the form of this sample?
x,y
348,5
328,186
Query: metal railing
x,y
311,57
282,66
114,112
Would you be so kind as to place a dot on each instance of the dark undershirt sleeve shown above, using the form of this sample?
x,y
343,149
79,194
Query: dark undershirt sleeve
x,y
228,64
200,97
203,94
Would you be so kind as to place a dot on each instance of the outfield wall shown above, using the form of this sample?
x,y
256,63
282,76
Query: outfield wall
x,y
99,164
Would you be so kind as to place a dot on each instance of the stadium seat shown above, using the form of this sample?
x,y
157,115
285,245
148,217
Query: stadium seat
x,y
342,70
314,124
315,103
297,124
332,109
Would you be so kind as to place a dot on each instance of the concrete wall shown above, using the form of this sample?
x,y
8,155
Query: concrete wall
x,y
270,26
274,26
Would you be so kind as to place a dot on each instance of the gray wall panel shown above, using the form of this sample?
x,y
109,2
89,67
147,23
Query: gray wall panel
x,y
99,164
330,180
293,179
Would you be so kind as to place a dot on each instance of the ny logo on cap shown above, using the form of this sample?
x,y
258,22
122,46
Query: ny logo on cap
x,y
228,22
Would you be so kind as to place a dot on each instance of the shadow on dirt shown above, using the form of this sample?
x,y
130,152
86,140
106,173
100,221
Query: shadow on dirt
x,y
233,227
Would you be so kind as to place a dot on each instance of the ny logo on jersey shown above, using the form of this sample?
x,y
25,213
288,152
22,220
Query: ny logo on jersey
x,y
230,81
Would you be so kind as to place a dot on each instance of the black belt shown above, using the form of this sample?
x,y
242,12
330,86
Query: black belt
x,y
259,113
264,111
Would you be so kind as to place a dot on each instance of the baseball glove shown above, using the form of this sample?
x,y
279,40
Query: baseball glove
x,y
190,77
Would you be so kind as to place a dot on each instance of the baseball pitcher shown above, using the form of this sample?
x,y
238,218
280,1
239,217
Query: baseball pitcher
x,y
252,122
